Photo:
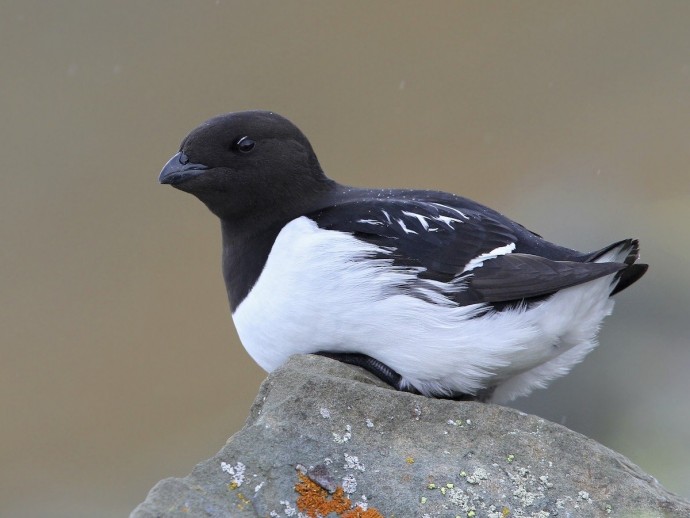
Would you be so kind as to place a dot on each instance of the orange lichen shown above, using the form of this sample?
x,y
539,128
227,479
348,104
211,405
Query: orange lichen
x,y
315,501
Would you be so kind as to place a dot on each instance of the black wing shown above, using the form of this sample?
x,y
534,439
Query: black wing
x,y
449,243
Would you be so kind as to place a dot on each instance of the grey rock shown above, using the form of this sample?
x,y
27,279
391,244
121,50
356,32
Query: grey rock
x,y
404,456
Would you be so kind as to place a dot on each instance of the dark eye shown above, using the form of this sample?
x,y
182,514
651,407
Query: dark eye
x,y
244,144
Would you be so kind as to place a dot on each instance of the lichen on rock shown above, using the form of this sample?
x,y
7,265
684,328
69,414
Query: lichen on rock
x,y
324,437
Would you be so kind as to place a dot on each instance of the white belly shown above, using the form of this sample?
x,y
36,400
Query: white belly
x,y
317,294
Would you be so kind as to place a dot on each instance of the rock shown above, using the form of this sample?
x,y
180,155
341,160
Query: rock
x,y
323,436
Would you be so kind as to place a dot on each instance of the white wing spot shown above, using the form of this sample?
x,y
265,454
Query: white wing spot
x,y
422,219
479,260
447,220
387,216
407,230
370,221
458,211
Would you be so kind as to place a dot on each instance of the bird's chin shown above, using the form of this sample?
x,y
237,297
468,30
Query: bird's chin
x,y
184,180
191,183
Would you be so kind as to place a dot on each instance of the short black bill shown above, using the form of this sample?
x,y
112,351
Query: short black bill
x,y
178,169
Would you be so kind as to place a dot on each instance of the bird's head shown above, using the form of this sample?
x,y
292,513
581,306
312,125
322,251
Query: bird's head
x,y
246,162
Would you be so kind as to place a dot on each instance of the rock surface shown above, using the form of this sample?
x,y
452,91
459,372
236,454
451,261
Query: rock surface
x,y
400,455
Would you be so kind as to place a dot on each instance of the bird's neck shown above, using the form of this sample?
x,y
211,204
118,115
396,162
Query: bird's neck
x,y
247,241
244,256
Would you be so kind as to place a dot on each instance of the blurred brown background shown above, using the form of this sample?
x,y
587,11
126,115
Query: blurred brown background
x,y
119,362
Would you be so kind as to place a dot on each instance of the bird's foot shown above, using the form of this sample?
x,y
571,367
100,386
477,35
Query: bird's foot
x,y
377,368
395,380
482,396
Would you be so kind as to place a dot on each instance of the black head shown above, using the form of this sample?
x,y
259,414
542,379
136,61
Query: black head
x,y
242,163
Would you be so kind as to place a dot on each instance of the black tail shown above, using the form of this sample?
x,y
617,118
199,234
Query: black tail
x,y
628,276
626,251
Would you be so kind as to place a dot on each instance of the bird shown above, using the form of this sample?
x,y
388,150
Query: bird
x,y
432,292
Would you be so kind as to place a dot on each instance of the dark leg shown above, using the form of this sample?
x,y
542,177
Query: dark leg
x,y
378,369
483,396
388,375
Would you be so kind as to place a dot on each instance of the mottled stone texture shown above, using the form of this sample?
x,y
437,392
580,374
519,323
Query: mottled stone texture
x,y
401,455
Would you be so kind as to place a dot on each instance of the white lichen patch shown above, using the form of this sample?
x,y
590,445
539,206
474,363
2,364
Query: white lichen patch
x,y
503,489
363,503
494,513
544,479
523,481
236,472
370,423
352,462
459,422
526,497
325,413
460,498
527,491
259,486
349,483
477,476
289,510
584,495
340,439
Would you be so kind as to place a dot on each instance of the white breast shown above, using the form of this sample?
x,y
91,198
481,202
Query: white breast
x,y
318,291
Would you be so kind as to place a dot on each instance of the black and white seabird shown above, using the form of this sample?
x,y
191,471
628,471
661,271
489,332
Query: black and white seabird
x,y
432,292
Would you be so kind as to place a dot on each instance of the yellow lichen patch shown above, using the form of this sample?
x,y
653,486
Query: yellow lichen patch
x,y
409,460
244,501
315,501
